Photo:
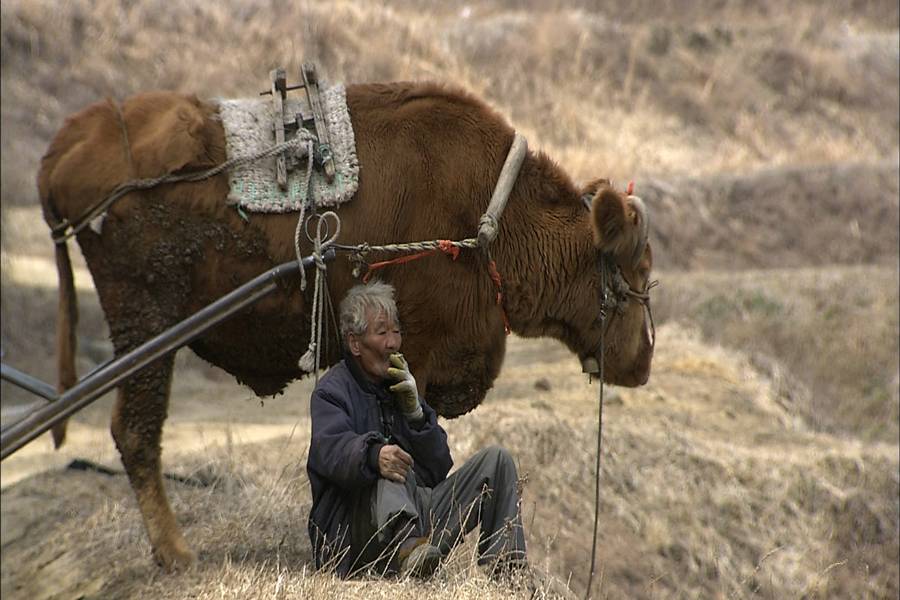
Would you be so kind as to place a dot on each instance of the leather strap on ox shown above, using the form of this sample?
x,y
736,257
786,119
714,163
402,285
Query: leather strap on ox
x,y
488,226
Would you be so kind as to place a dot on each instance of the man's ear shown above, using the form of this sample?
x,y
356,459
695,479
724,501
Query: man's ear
x,y
353,344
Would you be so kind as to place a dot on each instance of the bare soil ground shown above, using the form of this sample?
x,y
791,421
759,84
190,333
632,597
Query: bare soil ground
x,y
761,460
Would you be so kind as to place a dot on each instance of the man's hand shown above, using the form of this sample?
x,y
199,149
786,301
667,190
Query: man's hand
x,y
394,463
405,392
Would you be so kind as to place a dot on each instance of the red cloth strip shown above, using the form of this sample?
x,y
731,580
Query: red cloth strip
x,y
445,246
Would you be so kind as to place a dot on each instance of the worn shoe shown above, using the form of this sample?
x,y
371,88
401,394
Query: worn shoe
x,y
418,559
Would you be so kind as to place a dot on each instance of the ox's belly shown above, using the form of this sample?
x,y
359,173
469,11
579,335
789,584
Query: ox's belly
x,y
160,263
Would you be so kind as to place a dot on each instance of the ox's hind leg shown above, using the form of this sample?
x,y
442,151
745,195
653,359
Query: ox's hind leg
x,y
137,422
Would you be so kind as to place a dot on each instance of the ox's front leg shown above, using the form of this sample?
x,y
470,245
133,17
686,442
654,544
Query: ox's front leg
x,y
137,422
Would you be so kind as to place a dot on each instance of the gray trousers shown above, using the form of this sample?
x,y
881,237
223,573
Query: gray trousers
x,y
482,492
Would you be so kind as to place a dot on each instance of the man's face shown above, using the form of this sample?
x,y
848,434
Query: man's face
x,y
372,349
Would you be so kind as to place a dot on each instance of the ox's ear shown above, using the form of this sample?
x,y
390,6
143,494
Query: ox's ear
x,y
615,224
592,186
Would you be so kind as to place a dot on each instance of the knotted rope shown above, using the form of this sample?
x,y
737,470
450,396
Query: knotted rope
x,y
423,249
323,239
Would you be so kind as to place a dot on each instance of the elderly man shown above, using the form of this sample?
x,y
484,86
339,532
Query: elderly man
x,y
378,463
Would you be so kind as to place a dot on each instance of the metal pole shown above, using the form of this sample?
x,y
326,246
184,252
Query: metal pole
x,y
104,379
25,381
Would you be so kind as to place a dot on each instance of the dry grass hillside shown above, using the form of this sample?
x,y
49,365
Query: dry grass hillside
x,y
712,487
761,460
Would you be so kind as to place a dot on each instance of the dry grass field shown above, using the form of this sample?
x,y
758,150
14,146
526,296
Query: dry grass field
x,y
761,460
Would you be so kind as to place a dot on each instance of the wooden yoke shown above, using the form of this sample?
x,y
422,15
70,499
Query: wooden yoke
x,y
279,94
323,159
323,149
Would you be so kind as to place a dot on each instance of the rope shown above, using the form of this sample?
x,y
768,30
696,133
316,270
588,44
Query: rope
x,y
495,277
445,246
311,359
587,593
361,250
334,323
302,220
423,249
67,229
610,283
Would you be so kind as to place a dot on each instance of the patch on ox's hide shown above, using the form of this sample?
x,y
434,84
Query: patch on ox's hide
x,y
248,130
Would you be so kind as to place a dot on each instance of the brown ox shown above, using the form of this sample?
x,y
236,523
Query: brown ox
x,y
429,158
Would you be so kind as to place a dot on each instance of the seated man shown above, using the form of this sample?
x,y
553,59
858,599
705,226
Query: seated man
x,y
378,462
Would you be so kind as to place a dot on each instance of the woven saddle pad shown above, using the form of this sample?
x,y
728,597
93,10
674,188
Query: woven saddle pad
x,y
253,186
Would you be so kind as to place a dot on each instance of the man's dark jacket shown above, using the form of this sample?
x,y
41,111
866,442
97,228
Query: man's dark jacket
x,y
352,419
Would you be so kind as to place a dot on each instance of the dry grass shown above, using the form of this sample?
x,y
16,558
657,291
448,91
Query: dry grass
x,y
778,218
711,488
828,336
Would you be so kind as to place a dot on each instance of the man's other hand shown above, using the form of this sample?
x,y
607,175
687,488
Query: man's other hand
x,y
393,463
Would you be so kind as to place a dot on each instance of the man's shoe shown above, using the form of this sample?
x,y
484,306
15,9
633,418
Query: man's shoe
x,y
418,558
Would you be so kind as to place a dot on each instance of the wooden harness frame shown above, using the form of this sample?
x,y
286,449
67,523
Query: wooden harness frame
x,y
314,121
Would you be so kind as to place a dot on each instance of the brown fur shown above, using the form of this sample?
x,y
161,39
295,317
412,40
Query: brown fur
x,y
429,157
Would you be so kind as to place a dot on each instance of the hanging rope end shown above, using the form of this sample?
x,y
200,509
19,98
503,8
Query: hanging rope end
x,y
498,283
307,362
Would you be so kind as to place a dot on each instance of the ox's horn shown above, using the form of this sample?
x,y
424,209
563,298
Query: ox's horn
x,y
586,200
643,234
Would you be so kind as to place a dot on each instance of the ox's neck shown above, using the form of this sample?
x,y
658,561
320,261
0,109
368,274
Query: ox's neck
x,y
544,251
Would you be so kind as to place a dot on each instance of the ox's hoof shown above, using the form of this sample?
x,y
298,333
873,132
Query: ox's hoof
x,y
174,556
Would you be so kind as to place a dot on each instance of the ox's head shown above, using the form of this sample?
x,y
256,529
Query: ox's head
x,y
617,303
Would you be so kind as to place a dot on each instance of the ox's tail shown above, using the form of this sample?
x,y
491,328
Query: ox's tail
x,y
66,324
67,310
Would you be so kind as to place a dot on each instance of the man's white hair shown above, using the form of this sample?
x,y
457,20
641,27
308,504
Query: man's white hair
x,y
375,296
